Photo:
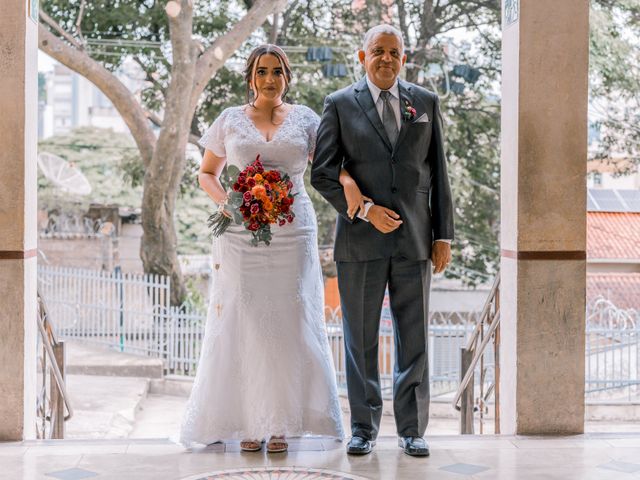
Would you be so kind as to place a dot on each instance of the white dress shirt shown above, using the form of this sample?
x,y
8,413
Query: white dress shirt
x,y
394,100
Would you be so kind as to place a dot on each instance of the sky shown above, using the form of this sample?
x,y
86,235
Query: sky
x,y
45,62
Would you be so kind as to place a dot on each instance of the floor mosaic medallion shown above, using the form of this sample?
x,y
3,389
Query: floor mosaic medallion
x,y
275,473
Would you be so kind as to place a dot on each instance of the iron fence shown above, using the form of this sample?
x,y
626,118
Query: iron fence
x,y
131,313
612,350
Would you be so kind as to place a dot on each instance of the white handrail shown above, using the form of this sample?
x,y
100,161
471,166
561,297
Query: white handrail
x,y
473,340
476,358
46,341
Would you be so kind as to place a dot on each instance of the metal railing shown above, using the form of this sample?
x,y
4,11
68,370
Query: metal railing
x,y
472,356
612,350
131,313
123,310
52,398
447,331
612,359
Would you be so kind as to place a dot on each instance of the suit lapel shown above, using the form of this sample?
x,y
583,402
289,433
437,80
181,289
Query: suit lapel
x,y
365,100
405,96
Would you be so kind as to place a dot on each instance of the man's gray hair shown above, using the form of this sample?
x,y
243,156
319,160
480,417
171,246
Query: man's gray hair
x,y
377,30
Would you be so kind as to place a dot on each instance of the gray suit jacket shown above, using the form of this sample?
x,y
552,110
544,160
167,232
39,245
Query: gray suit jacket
x,y
410,178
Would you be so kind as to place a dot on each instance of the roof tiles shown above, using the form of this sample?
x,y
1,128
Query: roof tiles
x,y
613,235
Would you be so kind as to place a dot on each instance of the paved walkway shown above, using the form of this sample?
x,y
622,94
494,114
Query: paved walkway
x,y
118,396
583,457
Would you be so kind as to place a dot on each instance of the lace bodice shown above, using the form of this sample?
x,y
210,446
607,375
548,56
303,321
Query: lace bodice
x,y
233,135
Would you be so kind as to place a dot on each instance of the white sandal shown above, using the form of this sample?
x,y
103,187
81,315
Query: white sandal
x,y
277,445
251,445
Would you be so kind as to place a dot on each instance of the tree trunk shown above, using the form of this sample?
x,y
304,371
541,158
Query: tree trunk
x,y
158,248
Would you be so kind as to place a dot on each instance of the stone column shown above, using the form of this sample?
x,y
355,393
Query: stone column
x,y
18,240
543,214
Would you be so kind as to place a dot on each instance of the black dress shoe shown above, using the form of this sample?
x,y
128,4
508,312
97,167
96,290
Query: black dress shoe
x,y
359,446
414,446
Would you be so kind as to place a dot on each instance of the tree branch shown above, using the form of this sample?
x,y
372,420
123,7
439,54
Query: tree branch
x,y
225,46
123,100
402,17
54,25
79,21
273,34
193,139
153,118
428,16
148,74
157,121
286,18
168,162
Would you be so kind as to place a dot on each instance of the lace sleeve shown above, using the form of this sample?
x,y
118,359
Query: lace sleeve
x,y
312,121
213,138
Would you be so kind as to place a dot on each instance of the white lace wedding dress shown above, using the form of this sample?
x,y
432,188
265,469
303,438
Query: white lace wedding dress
x,y
266,366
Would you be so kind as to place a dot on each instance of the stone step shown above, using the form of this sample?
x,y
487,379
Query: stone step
x,y
104,406
159,416
181,386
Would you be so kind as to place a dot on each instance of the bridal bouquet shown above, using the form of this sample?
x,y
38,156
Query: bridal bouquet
x,y
257,200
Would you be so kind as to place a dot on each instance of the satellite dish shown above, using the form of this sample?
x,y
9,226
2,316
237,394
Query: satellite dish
x,y
63,174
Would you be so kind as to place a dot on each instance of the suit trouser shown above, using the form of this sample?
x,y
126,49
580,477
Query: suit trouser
x,y
362,288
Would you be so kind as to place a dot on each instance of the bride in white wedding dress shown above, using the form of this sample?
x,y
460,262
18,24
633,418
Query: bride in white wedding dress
x,y
265,371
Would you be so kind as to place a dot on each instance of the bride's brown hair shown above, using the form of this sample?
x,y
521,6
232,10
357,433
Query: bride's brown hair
x,y
252,63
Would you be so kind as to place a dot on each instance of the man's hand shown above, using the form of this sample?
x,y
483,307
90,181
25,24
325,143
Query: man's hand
x,y
440,256
383,219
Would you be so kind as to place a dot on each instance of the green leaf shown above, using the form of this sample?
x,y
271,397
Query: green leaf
x,y
233,172
235,199
237,216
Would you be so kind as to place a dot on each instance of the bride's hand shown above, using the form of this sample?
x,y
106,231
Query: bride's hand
x,y
222,206
223,200
355,199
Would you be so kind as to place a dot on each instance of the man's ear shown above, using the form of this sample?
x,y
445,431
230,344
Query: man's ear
x,y
361,56
404,59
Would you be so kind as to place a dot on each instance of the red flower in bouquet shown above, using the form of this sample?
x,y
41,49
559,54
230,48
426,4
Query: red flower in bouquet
x,y
260,198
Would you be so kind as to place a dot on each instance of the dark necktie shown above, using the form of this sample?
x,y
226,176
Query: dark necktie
x,y
388,117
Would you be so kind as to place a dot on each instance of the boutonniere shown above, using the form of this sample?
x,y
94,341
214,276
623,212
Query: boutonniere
x,y
408,112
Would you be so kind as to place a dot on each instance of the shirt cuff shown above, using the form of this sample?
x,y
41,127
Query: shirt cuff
x,y
445,240
363,215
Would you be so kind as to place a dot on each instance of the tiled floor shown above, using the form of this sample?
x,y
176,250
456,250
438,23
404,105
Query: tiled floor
x,y
591,456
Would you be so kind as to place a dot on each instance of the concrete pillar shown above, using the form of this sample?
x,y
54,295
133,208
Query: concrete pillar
x,y
543,266
18,145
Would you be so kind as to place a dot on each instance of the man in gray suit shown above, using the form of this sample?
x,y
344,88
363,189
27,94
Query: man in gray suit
x,y
387,134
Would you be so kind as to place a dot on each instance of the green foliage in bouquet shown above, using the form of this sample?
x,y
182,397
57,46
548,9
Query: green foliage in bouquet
x,y
219,221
